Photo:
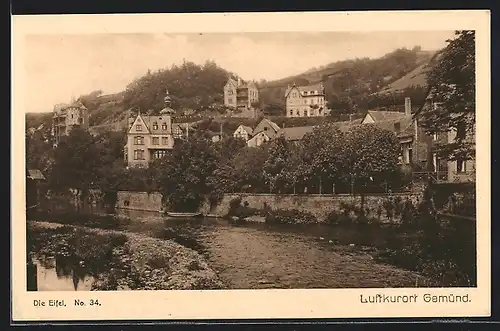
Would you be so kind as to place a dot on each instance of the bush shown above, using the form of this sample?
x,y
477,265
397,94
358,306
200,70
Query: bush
x,y
292,216
333,218
234,203
100,221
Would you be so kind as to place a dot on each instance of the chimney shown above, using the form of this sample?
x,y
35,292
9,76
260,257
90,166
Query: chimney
x,y
407,106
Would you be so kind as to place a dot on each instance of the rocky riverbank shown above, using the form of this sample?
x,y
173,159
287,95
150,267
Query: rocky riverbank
x,y
121,260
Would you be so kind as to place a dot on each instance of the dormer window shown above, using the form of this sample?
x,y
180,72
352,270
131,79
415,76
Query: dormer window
x,y
138,127
155,126
164,126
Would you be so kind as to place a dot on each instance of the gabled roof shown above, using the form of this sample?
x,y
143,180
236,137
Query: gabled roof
x,y
232,81
35,174
271,124
296,133
313,87
261,133
246,128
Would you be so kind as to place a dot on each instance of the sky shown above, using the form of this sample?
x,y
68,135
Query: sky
x,y
59,67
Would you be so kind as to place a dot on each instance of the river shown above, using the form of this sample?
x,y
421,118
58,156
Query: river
x,y
259,256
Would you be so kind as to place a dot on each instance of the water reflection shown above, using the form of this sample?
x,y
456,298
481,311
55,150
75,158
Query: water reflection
x,y
58,274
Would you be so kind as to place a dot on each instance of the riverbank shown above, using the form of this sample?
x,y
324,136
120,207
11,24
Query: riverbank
x,y
120,260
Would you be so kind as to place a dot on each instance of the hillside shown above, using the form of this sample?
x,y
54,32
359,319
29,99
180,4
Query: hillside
x,y
356,78
351,86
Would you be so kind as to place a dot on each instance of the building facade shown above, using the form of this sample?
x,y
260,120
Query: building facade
x,y
240,95
459,170
67,117
149,137
305,101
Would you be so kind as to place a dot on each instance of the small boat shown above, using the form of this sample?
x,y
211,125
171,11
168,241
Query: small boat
x,y
173,214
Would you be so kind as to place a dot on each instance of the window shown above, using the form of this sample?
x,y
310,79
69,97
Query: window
x,y
298,112
435,137
291,112
138,154
159,154
139,141
155,126
156,141
461,165
164,140
138,127
397,127
164,126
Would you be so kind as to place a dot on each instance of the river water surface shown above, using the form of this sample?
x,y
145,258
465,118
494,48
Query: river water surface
x,y
258,256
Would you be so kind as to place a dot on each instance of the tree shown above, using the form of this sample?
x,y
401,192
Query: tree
x,y
184,172
322,151
76,163
277,168
369,156
451,81
248,165
223,179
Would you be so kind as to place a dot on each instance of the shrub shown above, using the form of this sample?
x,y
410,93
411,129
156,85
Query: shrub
x,y
292,216
234,203
333,218
101,221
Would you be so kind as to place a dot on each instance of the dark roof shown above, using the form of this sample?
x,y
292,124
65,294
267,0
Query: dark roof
x,y
35,174
346,125
296,133
271,124
247,129
382,115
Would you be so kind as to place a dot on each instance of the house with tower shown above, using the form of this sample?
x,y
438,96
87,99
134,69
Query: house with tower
x,y
149,137
68,116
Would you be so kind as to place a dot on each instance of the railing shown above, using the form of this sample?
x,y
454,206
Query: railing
x,y
435,176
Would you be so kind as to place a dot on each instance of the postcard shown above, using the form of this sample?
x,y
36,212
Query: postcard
x,y
251,166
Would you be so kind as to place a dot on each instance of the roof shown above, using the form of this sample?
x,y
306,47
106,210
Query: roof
x,y
150,119
406,125
247,129
296,133
61,107
271,123
167,111
383,115
313,87
346,125
35,174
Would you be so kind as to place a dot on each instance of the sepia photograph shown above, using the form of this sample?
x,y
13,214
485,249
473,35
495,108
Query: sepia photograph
x,y
251,161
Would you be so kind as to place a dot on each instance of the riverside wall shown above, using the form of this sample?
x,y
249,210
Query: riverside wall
x,y
318,205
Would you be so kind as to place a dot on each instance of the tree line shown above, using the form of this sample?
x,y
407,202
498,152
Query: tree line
x,y
197,169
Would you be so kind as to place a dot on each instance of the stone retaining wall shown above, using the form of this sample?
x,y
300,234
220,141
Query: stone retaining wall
x,y
139,201
318,205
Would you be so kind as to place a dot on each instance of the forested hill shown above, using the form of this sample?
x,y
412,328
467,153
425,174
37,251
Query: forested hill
x,y
198,89
355,78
